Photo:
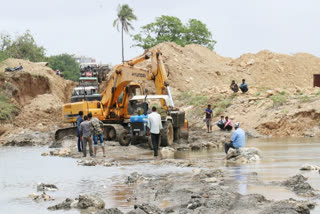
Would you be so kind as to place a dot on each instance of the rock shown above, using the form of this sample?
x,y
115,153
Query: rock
x,y
110,211
167,152
287,206
64,152
307,166
299,186
87,162
54,152
177,162
66,205
108,164
42,197
134,178
250,62
145,209
29,138
41,187
44,154
211,173
195,146
269,93
86,201
252,133
211,180
244,155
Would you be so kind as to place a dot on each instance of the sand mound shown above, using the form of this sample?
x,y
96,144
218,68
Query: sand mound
x,y
57,84
38,92
195,67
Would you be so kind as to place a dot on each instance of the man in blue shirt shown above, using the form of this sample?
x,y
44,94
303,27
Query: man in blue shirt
x,y
238,139
208,112
79,121
244,86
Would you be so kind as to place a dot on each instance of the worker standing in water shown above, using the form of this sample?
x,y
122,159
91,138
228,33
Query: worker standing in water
x,y
154,128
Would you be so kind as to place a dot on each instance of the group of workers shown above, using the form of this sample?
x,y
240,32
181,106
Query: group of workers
x,y
89,129
92,128
224,123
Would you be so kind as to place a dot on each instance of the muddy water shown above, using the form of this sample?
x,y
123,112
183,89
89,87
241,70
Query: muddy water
x,y
282,158
22,168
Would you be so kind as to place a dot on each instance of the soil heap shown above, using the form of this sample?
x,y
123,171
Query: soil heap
x,y
38,93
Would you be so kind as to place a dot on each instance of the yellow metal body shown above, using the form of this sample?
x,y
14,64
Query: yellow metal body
x,y
120,88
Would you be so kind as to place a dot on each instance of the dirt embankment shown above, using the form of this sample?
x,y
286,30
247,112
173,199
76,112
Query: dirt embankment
x,y
38,93
280,101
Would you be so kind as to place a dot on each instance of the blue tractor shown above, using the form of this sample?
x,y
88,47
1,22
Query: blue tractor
x,y
173,120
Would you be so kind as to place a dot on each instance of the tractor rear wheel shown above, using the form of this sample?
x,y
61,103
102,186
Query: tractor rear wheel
x,y
167,134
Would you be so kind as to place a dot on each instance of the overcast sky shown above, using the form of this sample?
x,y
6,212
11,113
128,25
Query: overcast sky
x,y
84,27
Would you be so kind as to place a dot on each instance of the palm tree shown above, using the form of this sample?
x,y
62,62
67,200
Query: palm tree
x,y
125,16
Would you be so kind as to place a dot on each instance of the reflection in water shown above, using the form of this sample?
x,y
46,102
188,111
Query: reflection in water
x,y
242,179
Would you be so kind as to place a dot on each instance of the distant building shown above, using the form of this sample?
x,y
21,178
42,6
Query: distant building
x,y
84,59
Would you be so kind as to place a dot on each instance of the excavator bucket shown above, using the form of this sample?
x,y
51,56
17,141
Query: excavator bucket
x,y
60,133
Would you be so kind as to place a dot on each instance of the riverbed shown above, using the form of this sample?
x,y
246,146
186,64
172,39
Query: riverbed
x,y
23,168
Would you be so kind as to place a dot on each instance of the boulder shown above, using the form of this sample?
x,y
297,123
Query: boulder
x,y
42,197
145,209
167,152
41,187
244,155
29,138
86,201
299,186
110,211
134,178
252,133
307,166
87,162
64,152
65,205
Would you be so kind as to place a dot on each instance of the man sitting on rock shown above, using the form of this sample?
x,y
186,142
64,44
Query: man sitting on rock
x,y
238,139
234,87
220,123
244,86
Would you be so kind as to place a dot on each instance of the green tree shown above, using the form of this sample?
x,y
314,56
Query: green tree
x,y
67,64
125,16
171,29
197,33
23,47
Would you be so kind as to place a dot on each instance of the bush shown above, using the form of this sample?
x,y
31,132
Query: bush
x,y
7,109
304,99
219,111
67,64
198,100
279,99
190,99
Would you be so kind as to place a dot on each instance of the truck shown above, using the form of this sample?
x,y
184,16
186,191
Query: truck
x,y
94,70
113,109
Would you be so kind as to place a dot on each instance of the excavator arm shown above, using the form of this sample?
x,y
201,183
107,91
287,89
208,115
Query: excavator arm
x,y
125,73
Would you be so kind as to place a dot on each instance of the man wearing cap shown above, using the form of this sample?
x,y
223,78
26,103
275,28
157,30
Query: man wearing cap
x,y
238,138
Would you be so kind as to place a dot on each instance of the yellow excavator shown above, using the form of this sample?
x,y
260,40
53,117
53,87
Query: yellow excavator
x,y
112,110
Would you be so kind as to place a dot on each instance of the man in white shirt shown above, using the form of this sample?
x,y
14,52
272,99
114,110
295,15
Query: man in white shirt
x,y
154,127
